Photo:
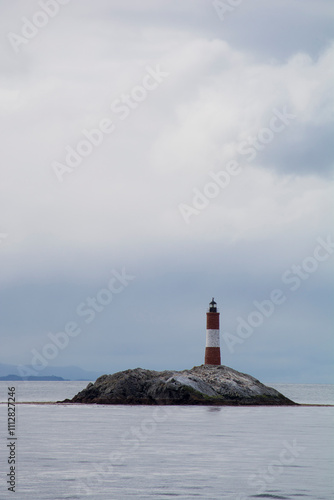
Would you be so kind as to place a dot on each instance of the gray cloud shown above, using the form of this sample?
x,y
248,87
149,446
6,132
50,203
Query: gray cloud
x,y
306,149
119,206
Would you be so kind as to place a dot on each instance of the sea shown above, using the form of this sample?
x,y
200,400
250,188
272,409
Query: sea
x,y
106,452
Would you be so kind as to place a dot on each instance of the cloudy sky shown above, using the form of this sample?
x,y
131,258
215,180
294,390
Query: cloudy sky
x,y
156,154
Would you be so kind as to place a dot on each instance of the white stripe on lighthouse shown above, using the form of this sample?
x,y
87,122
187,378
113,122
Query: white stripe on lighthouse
x,y
212,338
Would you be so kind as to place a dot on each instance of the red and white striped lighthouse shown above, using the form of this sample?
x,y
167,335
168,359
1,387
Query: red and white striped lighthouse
x,y
212,348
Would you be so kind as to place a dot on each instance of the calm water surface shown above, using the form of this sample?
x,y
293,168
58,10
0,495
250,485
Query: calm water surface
x,y
121,452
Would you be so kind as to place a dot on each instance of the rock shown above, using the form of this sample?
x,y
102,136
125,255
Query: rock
x,y
202,385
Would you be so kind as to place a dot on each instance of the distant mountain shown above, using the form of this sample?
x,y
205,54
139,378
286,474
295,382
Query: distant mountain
x,y
65,372
51,378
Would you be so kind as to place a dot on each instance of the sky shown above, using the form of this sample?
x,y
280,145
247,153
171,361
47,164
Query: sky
x,y
156,154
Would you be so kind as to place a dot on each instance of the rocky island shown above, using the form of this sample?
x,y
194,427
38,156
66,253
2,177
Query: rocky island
x,y
201,385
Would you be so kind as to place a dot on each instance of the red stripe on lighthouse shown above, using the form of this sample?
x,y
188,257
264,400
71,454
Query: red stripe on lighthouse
x,y
212,321
212,356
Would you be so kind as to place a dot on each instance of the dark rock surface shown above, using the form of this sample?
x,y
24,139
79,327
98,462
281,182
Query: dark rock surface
x,y
202,385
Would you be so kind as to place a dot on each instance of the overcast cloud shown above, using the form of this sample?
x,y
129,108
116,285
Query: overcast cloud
x,y
180,95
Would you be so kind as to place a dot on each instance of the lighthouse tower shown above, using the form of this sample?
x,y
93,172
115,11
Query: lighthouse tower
x,y
212,348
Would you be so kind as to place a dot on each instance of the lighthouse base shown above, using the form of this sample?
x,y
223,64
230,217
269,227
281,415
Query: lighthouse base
x,y
212,356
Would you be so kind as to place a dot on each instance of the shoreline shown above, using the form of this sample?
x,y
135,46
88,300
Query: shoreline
x,y
177,405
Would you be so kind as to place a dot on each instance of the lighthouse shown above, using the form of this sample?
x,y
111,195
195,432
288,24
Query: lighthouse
x,y
212,348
